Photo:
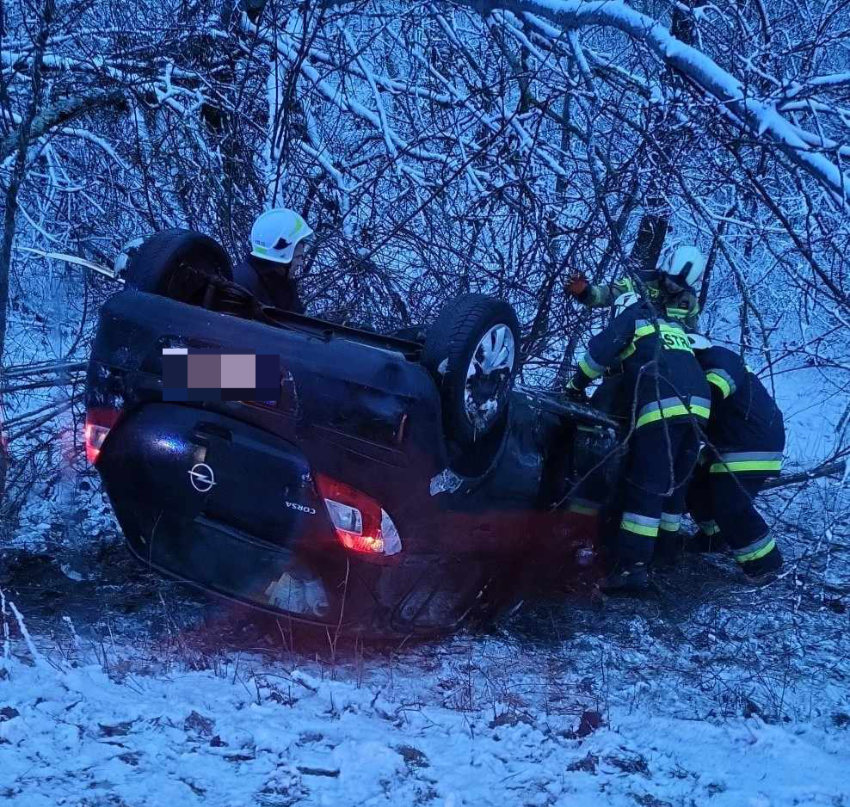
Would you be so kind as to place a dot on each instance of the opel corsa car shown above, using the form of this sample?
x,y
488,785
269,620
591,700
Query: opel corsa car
x,y
399,484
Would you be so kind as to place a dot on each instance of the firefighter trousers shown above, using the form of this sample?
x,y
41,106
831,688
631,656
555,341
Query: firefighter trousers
x,y
660,460
722,504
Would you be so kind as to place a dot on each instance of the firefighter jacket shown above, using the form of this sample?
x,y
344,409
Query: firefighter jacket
x,y
269,282
683,306
746,432
660,371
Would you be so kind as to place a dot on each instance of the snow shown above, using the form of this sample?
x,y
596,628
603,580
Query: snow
x,y
737,697
248,737
810,420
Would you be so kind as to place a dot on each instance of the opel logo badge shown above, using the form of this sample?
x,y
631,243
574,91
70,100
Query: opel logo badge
x,y
202,477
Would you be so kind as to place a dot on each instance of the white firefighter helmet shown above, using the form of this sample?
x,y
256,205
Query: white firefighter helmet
x,y
683,264
275,234
698,341
625,301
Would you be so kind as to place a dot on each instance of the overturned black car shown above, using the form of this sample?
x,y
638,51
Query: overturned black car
x,y
399,484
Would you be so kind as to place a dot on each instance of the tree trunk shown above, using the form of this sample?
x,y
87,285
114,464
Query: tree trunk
x,y
20,167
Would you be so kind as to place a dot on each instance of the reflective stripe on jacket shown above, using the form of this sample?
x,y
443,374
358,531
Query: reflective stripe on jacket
x,y
672,407
764,462
746,426
660,371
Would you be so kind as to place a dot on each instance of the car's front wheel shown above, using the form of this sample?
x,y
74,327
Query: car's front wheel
x,y
472,349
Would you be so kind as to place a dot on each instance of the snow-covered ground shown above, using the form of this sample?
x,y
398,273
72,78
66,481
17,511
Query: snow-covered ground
x,y
129,690
271,734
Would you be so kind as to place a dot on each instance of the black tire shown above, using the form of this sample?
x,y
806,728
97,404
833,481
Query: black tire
x,y
177,264
448,353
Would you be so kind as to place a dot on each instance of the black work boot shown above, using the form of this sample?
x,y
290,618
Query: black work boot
x,y
626,579
763,569
701,543
668,547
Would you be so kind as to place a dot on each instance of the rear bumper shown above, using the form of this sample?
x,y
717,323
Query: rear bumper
x,y
421,594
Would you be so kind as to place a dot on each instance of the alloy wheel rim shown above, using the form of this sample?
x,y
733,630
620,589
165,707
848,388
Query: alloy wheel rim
x,y
488,376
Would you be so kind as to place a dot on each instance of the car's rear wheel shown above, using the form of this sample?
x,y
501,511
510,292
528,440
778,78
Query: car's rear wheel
x,y
178,264
473,351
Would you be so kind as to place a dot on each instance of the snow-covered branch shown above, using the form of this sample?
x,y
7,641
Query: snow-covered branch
x,y
63,111
761,118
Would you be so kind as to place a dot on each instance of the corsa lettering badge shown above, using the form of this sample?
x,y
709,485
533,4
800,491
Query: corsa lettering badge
x,y
202,477
301,508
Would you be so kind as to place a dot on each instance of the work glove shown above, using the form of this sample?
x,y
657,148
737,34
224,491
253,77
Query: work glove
x,y
575,394
577,285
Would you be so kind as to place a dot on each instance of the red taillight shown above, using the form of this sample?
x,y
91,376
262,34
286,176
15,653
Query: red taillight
x,y
98,424
361,524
